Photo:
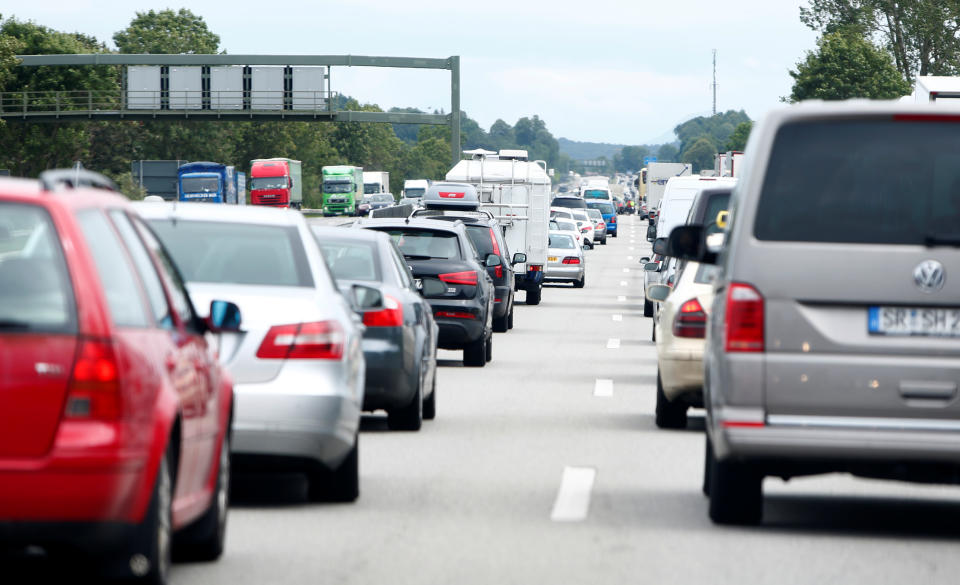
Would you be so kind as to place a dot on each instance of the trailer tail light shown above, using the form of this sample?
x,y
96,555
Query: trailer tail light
x,y
535,268
454,315
468,277
690,321
498,270
391,315
94,391
317,340
571,260
744,319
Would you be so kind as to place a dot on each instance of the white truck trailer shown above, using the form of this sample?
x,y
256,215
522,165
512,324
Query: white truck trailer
x,y
376,182
517,192
657,176
935,88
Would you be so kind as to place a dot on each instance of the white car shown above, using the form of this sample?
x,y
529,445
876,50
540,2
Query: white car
x,y
585,225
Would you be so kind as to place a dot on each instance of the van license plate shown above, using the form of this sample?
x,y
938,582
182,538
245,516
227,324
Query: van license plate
x,y
913,321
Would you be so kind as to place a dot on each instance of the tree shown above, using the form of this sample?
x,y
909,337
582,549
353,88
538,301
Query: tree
x,y
738,140
845,65
167,32
667,153
630,158
922,36
700,154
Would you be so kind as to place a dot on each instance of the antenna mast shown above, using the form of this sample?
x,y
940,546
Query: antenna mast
x,y
714,82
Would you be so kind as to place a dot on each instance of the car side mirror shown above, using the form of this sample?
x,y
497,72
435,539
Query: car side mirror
x,y
224,317
651,232
366,298
645,260
660,246
519,258
652,267
432,287
687,242
492,260
658,292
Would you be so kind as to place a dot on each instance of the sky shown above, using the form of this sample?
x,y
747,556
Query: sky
x,y
619,71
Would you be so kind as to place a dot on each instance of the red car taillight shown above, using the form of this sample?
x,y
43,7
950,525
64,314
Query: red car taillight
x,y
571,260
454,315
391,315
317,340
584,230
744,319
690,321
95,384
498,271
468,277
601,225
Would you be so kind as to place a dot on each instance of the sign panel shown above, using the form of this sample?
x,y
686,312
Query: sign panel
x,y
226,87
186,88
143,87
266,88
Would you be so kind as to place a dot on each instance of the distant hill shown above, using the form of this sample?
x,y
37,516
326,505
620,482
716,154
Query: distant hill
x,y
588,150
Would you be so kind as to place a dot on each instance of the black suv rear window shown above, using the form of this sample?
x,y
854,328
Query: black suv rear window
x,y
424,243
880,181
35,289
569,202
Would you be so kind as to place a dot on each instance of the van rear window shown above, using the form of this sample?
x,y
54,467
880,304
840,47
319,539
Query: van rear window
x,y
879,181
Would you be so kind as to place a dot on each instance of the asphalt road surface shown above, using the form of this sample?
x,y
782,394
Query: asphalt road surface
x,y
545,467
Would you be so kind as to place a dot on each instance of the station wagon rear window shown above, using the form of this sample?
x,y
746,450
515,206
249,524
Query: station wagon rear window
x,y
877,181
35,289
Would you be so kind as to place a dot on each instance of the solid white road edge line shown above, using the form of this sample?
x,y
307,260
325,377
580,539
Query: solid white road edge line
x,y
573,498
617,317
621,299
613,343
603,387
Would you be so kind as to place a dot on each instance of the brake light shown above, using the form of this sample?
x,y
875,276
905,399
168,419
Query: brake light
x,y
95,384
454,315
498,271
690,321
613,219
585,229
601,225
535,268
571,260
468,277
317,340
391,315
744,319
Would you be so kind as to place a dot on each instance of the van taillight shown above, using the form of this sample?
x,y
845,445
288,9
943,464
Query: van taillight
x,y
95,383
317,340
690,321
468,277
744,319
391,315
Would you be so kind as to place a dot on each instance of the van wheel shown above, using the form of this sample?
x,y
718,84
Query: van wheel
x,y
204,539
669,415
475,353
736,493
340,485
533,296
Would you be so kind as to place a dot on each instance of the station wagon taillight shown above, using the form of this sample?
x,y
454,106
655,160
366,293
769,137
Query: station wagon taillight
x,y
391,315
744,319
316,340
95,383
468,277
690,321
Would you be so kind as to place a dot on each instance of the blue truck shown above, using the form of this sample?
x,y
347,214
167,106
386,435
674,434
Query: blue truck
x,y
211,182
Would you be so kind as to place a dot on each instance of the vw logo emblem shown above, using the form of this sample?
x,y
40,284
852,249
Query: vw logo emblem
x,y
929,276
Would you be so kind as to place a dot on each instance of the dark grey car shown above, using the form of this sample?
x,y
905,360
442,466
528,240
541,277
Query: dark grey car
x,y
854,368
400,340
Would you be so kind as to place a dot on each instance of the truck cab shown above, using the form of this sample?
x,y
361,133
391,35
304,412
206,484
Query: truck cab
x,y
342,189
276,182
209,182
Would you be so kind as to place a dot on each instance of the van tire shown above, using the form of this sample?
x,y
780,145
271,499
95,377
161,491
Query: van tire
x,y
669,415
533,296
736,493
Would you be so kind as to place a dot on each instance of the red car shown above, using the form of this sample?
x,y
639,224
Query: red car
x,y
114,411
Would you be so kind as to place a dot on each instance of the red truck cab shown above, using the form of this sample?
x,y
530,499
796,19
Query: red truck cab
x,y
275,182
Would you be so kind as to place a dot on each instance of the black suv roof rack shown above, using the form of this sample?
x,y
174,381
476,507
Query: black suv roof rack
x,y
56,179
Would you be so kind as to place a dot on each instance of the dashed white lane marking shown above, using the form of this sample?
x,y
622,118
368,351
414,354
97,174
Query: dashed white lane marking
x,y
603,388
623,283
613,343
573,499
617,317
621,299
630,248
626,270
629,257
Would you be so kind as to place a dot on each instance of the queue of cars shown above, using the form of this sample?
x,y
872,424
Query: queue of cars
x,y
804,375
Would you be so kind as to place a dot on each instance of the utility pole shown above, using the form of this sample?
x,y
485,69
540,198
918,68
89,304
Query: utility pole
x,y
714,82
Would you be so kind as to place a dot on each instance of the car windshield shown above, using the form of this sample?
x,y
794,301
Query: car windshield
x,y
338,187
562,241
351,260
269,183
236,253
604,207
425,243
199,184
369,188
882,181
35,289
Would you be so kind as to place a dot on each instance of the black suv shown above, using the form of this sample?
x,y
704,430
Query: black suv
x,y
452,277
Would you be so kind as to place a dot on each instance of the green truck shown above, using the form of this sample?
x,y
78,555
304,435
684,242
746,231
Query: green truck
x,y
342,189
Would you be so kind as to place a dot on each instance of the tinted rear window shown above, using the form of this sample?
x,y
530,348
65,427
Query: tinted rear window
x,y
596,194
236,253
571,202
35,290
351,260
603,206
872,182
425,243
481,238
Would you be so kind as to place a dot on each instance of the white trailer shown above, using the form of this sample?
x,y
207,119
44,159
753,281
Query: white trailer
x,y
935,88
657,176
517,192
376,182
